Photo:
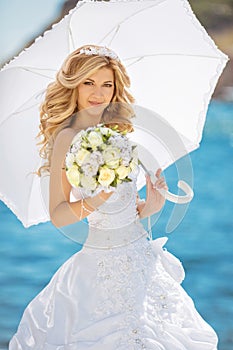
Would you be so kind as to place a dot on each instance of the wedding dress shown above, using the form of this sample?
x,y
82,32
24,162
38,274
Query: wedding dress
x,y
121,291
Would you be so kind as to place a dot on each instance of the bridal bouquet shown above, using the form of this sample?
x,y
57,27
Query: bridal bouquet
x,y
100,158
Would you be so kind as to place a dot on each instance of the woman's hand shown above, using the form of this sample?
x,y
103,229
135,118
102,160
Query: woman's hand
x,y
154,200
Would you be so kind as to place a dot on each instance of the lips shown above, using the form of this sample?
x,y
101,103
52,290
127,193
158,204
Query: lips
x,y
93,103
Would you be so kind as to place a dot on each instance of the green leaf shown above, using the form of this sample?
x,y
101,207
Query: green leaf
x,y
127,179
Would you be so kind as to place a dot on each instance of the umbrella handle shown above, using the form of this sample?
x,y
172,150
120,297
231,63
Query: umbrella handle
x,y
174,197
179,199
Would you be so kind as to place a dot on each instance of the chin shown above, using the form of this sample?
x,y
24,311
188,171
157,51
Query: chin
x,y
96,110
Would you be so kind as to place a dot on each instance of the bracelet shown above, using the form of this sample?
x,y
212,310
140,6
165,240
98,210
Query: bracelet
x,y
83,208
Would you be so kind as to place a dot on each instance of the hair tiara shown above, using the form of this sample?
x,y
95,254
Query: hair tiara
x,y
102,51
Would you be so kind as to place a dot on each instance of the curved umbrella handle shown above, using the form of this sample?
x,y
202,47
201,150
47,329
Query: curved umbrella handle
x,y
170,196
179,199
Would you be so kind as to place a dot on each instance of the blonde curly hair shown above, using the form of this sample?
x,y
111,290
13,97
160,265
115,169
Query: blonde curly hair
x,y
61,97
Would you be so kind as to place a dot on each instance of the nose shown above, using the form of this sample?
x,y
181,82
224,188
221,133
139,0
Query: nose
x,y
97,92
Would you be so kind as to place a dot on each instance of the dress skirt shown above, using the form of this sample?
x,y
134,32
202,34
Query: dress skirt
x,y
126,298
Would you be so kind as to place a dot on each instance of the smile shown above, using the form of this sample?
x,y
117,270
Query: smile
x,y
95,103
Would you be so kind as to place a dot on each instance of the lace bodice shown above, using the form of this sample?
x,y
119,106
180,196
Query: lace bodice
x,y
118,211
116,221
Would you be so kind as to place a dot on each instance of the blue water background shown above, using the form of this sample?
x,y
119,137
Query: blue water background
x,y
203,241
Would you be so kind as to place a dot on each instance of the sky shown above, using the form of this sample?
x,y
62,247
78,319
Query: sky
x,y
21,21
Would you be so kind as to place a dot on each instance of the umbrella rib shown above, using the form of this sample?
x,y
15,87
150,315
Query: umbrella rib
x,y
71,37
139,58
70,34
23,109
114,35
33,70
116,28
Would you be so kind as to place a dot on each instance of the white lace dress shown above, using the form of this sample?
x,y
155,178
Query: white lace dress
x,y
125,295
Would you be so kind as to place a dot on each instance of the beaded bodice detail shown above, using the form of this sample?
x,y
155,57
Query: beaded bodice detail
x,y
116,222
118,211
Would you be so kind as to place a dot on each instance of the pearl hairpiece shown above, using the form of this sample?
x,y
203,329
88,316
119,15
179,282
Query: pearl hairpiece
x,y
103,51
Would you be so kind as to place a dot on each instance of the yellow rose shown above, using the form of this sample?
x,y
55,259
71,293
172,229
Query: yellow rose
x,y
122,171
88,182
133,164
95,139
106,176
73,176
111,157
104,146
82,156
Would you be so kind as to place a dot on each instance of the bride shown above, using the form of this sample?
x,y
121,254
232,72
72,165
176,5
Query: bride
x,y
121,291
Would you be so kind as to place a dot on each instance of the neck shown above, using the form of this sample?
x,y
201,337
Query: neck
x,y
85,118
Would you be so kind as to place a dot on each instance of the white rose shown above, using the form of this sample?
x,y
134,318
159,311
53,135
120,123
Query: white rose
x,y
82,156
106,176
88,182
105,131
111,157
73,176
70,158
103,146
133,164
95,139
122,172
78,137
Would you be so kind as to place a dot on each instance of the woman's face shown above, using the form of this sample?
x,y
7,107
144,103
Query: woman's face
x,y
96,91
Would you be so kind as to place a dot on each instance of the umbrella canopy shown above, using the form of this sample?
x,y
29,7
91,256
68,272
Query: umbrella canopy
x,y
173,64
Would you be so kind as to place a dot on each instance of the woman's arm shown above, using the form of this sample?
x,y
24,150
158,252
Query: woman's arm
x,y
62,211
154,200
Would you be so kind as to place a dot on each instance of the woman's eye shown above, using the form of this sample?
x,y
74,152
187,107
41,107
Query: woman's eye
x,y
109,85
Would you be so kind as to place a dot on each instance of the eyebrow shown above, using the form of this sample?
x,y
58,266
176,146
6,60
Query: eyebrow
x,y
108,81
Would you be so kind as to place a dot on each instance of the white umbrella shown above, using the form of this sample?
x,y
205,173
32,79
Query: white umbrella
x,y
173,64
